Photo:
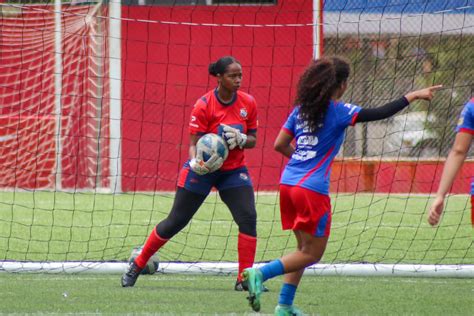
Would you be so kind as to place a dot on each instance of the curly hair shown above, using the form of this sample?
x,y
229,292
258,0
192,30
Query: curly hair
x,y
317,86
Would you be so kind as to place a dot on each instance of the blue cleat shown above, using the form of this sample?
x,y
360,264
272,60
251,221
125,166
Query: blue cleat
x,y
287,310
253,277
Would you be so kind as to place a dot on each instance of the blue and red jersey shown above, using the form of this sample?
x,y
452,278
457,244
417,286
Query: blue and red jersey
x,y
310,164
466,120
466,124
241,113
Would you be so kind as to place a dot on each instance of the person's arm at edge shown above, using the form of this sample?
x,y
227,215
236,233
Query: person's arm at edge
x,y
453,164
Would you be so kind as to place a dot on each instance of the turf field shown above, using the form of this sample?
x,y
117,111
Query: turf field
x,y
47,226
213,295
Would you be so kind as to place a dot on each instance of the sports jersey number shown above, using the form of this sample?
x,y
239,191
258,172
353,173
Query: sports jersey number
x,y
192,122
351,107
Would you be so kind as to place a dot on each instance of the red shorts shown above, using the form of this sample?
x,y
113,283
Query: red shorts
x,y
306,210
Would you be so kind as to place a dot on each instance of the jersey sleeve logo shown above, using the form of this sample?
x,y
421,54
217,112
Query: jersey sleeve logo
x,y
193,119
351,107
243,113
461,117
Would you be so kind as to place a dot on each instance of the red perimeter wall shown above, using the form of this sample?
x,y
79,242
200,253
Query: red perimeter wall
x,y
395,176
27,100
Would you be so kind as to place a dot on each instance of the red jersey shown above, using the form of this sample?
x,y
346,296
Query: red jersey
x,y
240,113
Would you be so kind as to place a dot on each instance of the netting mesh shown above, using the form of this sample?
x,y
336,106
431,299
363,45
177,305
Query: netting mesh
x,y
53,208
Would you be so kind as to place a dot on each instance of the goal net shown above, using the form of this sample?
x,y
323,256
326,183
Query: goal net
x,y
96,98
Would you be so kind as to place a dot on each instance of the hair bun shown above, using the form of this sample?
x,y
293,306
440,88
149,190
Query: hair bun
x,y
212,69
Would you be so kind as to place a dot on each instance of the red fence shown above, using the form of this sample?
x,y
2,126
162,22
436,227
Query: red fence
x,y
27,99
391,176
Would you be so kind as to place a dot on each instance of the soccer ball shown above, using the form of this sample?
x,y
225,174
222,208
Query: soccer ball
x,y
209,144
152,264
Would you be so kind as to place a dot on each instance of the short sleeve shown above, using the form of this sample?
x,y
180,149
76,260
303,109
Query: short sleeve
x,y
466,119
346,114
290,125
198,122
252,123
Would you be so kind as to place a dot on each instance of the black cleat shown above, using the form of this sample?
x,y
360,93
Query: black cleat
x,y
130,277
241,286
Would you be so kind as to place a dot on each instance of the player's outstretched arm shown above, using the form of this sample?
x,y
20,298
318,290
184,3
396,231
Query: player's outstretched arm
x,y
423,94
389,109
451,168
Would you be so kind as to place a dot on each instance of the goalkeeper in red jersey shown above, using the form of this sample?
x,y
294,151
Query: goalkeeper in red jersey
x,y
232,113
317,123
454,162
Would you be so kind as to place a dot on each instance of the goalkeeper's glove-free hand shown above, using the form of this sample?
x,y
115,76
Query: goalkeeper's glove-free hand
x,y
234,137
201,168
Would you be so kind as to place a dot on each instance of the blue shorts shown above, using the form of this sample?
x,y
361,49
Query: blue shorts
x,y
221,180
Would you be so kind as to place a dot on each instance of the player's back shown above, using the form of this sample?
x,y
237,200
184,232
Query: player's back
x,y
310,164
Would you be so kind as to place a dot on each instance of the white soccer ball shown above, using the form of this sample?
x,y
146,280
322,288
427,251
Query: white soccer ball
x,y
210,144
152,264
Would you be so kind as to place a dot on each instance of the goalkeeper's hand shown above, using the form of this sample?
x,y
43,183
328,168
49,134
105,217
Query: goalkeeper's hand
x,y
234,137
201,168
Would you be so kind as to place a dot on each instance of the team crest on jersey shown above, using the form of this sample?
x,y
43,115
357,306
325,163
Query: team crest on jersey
x,y
243,113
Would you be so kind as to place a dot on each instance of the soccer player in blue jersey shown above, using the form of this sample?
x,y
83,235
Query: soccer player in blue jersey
x,y
318,124
456,157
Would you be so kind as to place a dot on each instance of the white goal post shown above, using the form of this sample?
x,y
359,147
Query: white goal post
x,y
230,268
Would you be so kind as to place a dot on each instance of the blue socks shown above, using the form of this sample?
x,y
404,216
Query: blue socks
x,y
272,269
288,291
287,294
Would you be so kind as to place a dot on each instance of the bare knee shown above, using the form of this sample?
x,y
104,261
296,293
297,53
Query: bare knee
x,y
314,248
311,255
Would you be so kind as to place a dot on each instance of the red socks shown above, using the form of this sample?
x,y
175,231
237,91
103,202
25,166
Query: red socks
x,y
246,246
153,243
